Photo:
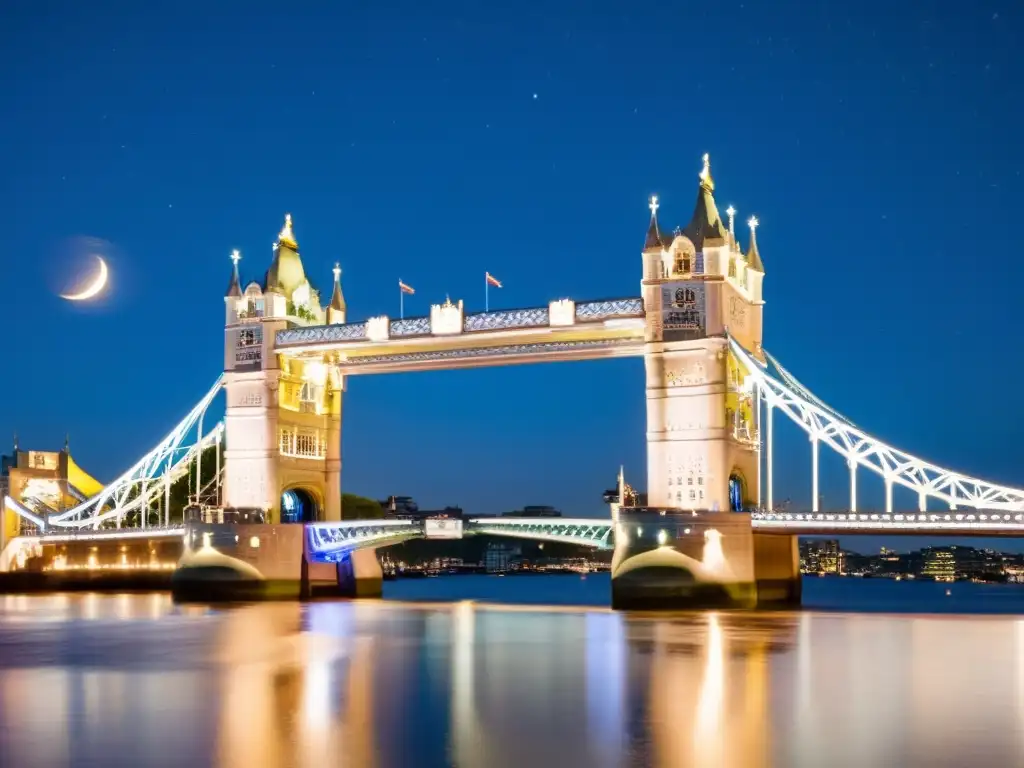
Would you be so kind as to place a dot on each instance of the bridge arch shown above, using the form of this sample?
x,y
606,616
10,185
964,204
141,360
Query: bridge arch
x,y
739,491
301,503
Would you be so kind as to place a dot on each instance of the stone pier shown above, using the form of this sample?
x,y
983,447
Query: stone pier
x,y
679,560
267,562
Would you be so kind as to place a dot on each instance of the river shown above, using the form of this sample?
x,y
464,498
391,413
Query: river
x,y
484,671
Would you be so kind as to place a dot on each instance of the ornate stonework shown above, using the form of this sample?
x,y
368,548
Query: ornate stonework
x,y
446,319
377,328
688,373
562,312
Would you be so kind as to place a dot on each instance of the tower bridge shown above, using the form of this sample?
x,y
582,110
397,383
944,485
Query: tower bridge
x,y
712,531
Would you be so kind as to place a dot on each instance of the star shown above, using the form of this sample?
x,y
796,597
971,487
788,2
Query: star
x,y
535,96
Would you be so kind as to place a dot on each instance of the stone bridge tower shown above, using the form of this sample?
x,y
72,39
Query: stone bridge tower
x,y
698,289
283,418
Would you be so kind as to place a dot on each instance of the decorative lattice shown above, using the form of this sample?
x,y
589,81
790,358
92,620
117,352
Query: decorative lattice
x,y
319,334
590,311
410,326
534,317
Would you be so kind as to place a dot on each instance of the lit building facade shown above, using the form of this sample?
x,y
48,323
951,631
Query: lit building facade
x,y
702,431
283,415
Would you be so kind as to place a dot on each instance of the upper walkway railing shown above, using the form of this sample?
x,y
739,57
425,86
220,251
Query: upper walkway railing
x,y
496,320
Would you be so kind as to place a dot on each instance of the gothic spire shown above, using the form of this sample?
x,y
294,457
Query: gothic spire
x,y
287,236
286,272
753,256
235,286
653,240
706,225
338,298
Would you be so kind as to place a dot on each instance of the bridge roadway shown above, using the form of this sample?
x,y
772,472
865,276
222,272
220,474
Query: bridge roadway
x,y
335,537
991,523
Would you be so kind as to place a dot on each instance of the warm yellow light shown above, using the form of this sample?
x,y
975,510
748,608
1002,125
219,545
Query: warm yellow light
x,y
254,542
315,372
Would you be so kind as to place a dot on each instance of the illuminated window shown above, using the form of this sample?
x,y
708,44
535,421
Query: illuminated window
x,y
302,443
250,337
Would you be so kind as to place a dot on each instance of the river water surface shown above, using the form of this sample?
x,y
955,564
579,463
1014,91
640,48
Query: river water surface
x,y
493,672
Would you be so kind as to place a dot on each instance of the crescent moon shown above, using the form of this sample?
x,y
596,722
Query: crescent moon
x,y
97,285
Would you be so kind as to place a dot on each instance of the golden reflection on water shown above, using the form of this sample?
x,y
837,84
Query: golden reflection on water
x,y
136,680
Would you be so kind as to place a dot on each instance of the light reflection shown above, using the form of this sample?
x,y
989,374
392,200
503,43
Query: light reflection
x,y
368,684
707,737
607,674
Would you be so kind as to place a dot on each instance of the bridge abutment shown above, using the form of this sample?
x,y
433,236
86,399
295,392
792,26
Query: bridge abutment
x,y
682,560
267,562
777,570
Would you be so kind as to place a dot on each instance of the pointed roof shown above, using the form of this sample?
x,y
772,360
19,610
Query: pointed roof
x,y
337,298
235,286
286,235
753,256
654,240
706,225
286,272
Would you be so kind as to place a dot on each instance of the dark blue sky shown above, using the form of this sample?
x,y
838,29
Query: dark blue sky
x,y
879,148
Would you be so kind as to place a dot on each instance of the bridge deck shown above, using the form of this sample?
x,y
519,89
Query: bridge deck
x,y
973,523
593,330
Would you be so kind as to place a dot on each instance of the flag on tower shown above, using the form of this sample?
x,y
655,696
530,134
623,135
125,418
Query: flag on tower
x,y
492,280
405,288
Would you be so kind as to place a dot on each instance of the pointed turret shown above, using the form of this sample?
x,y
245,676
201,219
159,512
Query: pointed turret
x,y
706,226
286,272
286,235
235,286
336,309
653,241
731,213
337,298
753,256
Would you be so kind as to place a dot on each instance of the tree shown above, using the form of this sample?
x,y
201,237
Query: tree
x,y
355,507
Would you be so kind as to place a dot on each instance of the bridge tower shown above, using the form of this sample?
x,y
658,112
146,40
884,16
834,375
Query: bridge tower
x,y
283,417
698,289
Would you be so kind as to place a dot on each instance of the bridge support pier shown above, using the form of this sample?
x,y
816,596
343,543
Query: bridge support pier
x,y
777,570
360,575
267,562
682,560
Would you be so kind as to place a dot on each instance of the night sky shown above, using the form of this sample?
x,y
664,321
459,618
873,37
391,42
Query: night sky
x,y
879,148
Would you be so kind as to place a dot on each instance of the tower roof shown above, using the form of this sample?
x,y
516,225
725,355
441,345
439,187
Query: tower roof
x,y
706,225
753,255
337,298
654,239
286,272
235,286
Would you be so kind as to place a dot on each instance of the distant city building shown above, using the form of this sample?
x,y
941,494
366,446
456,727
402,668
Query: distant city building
x,y
400,506
46,482
939,564
820,556
499,557
406,508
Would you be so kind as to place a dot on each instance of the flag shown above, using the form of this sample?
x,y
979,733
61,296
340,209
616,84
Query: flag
x,y
405,288
492,280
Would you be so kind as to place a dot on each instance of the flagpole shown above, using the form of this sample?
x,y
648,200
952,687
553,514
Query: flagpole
x,y
487,294
401,301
